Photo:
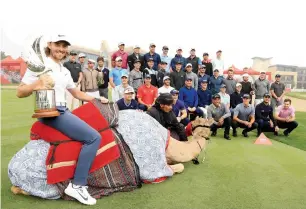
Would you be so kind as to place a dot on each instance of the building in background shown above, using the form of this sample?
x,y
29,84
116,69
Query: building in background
x,y
289,73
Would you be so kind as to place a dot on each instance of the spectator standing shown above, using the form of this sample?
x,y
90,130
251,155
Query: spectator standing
x,y
120,53
207,63
215,82
194,61
178,58
202,76
103,86
77,76
261,86
152,55
166,88
90,80
230,82
165,58
162,72
218,62
136,76
277,91
116,73
136,56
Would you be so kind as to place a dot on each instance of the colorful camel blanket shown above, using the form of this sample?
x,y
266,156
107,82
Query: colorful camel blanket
x,y
63,155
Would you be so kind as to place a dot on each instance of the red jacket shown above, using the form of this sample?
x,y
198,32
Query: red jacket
x,y
62,163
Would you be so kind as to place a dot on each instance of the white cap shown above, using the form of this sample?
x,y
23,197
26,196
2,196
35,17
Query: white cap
x,y
124,75
179,48
118,58
238,84
189,64
91,60
129,90
82,55
245,75
121,43
166,77
136,47
57,38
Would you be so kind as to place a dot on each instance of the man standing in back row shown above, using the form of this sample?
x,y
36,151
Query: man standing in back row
x,y
277,91
77,75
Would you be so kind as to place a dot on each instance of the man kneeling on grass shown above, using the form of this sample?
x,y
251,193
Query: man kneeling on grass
x,y
221,115
285,117
244,117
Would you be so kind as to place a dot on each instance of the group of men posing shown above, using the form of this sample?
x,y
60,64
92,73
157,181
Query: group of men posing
x,y
175,90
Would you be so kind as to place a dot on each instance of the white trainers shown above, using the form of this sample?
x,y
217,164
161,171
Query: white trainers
x,y
80,193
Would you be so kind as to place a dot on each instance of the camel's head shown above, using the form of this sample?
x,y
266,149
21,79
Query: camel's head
x,y
201,127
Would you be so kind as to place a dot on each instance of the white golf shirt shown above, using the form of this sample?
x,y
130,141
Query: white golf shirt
x,y
61,76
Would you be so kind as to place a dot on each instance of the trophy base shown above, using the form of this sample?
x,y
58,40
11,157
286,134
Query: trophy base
x,y
46,113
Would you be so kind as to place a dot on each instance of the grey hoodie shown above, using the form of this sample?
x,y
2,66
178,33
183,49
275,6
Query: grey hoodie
x,y
194,78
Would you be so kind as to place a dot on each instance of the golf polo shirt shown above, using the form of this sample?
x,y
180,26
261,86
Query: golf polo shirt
x,y
147,94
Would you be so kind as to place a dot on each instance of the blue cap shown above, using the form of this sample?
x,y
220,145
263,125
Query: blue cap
x,y
223,86
174,91
147,76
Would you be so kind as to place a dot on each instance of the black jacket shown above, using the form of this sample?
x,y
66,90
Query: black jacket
x,y
235,99
168,120
264,112
131,59
209,68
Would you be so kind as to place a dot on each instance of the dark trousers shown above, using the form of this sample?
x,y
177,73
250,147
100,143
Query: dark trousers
x,y
185,121
198,112
235,125
289,126
76,129
226,125
264,126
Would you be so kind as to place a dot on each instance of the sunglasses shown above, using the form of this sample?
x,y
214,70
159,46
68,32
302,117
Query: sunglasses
x,y
119,61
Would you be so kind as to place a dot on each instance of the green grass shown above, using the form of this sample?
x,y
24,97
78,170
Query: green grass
x,y
298,95
236,174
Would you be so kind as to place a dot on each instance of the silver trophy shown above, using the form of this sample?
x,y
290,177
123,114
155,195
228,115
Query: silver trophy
x,y
35,57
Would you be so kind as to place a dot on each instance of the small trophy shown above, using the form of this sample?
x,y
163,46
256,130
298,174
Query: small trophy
x,y
34,55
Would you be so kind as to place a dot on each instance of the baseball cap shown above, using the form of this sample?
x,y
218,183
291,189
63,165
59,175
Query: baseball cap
x,y
73,53
205,54
202,66
136,47
129,90
223,86
238,84
152,44
277,75
174,91
188,79
267,95
215,96
124,75
57,38
189,64
204,81
246,96
150,59
118,59
245,75
166,77
179,48
165,48
137,60
91,60
121,43
163,63
82,55
148,76
179,62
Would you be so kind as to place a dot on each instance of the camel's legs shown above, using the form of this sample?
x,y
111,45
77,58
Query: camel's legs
x,y
17,190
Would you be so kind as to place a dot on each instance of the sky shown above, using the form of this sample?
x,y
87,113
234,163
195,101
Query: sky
x,y
241,29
